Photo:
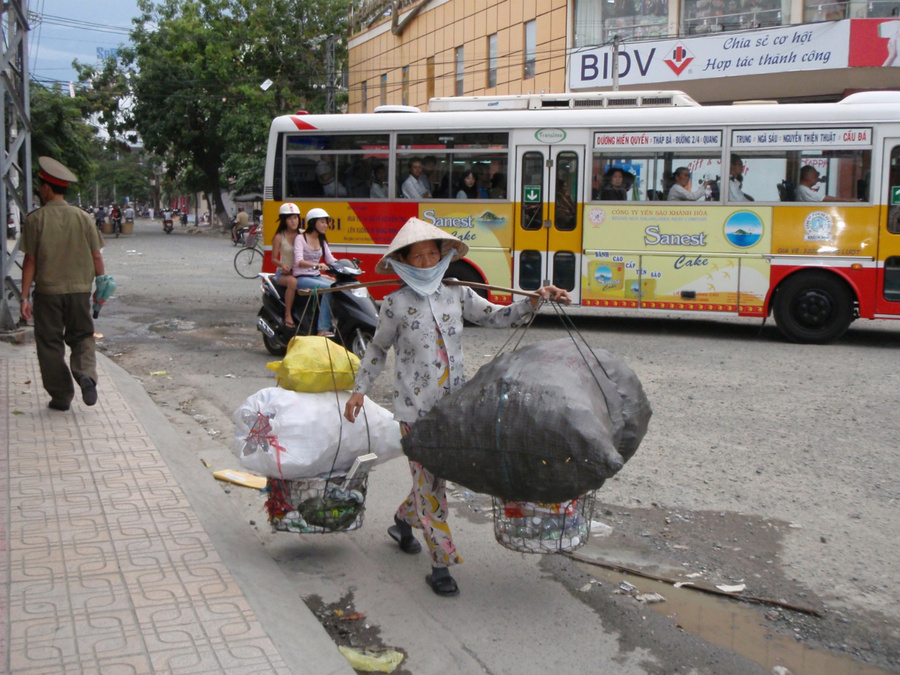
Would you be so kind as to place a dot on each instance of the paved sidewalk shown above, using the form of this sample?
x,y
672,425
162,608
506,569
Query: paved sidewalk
x,y
119,553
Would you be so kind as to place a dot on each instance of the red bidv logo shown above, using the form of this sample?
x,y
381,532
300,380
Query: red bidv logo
x,y
680,59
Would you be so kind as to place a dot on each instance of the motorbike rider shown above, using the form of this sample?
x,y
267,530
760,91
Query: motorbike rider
x,y
309,250
283,256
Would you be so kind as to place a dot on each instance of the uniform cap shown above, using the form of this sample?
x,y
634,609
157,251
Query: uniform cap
x,y
414,231
54,172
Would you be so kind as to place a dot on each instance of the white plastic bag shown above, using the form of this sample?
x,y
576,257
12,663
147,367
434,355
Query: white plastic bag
x,y
289,434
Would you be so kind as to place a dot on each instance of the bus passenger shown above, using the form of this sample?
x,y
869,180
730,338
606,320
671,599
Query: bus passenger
x,y
467,186
616,185
378,189
498,186
416,186
330,187
809,177
679,192
735,182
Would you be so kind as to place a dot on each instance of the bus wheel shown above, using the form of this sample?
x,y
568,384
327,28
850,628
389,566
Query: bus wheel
x,y
463,272
813,308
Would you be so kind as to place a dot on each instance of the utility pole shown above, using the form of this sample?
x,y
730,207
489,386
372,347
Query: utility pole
x,y
329,75
615,62
15,161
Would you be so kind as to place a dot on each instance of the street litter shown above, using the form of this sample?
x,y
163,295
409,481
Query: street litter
x,y
737,588
158,372
239,478
625,587
649,598
370,661
599,529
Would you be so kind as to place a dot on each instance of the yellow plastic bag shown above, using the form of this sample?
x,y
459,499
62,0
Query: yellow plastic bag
x,y
385,661
315,364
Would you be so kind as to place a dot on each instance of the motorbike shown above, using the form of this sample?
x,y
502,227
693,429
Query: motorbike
x,y
167,223
117,225
353,310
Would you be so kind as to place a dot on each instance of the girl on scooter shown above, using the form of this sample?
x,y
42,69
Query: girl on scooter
x,y
309,249
283,256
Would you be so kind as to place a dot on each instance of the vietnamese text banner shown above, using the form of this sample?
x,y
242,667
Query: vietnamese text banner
x,y
820,46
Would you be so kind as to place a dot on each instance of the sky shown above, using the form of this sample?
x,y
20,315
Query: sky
x,y
89,25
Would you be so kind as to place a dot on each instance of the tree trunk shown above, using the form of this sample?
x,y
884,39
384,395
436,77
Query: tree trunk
x,y
221,212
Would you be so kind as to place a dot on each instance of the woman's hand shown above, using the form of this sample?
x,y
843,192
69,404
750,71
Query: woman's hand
x,y
285,269
354,405
553,293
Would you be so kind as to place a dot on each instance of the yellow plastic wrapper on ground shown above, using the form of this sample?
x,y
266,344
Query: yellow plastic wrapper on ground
x,y
315,364
372,662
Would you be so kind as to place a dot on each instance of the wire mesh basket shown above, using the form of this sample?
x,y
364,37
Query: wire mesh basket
x,y
317,505
529,527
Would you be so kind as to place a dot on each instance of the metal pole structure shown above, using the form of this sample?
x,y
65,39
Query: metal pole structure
x,y
330,107
15,161
615,62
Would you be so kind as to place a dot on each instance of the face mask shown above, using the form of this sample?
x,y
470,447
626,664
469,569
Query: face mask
x,y
423,281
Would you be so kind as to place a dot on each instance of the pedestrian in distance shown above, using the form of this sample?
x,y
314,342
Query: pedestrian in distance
x,y
62,257
423,322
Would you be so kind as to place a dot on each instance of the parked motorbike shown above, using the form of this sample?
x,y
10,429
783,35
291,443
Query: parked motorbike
x,y
353,310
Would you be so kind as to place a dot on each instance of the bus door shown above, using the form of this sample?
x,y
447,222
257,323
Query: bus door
x,y
888,297
547,245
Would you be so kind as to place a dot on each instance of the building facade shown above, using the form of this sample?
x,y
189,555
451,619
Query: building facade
x,y
717,51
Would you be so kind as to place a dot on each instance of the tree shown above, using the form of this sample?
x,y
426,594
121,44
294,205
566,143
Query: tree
x,y
59,130
195,69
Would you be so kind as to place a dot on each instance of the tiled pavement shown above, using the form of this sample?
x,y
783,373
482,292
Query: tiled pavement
x,y
104,564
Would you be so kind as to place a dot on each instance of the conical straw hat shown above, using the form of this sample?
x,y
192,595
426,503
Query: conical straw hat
x,y
416,230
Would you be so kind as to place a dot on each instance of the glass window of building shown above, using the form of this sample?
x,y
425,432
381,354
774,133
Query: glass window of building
x,y
365,97
492,61
460,64
530,49
384,89
429,78
597,22
713,16
405,83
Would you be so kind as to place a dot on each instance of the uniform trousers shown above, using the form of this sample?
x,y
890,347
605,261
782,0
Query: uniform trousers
x,y
60,320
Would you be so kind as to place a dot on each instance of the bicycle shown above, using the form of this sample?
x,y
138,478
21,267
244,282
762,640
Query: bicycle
x,y
248,261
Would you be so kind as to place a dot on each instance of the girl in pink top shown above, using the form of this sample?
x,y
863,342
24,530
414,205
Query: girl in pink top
x,y
309,249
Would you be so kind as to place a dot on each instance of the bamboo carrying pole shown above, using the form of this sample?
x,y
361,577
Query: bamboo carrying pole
x,y
397,282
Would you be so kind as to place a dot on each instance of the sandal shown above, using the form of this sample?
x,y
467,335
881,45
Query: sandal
x,y
408,544
325,333
445,586
290,325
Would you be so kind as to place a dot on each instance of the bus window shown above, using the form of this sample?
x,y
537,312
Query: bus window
x,y
566,202
338,166
782,176
530,270
650,176
447,158
532,204
564,270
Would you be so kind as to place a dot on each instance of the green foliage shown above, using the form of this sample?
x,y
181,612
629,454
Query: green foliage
x,y
59,131
194,71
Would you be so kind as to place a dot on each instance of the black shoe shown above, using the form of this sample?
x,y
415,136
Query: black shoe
x,y
88,390
58,405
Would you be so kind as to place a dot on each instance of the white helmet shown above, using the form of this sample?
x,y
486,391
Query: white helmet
x,y
289,209
313,214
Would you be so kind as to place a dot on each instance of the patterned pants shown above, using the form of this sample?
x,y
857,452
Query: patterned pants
x,y
426,509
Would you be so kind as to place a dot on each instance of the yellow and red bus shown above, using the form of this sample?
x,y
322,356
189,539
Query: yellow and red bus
x,y
638,200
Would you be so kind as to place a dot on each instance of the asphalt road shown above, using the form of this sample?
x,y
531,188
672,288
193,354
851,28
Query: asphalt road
x,y
767,464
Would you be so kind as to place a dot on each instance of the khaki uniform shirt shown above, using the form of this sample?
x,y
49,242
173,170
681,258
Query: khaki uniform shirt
x,y
62,239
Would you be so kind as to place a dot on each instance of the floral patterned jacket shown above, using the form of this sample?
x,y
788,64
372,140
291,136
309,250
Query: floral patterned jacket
x,y
409,323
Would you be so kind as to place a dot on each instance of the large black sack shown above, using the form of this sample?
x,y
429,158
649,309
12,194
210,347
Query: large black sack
x,y
546,423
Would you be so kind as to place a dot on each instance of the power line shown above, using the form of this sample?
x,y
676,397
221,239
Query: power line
x,y
67,22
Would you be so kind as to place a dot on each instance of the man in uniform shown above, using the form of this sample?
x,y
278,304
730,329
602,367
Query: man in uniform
x,y
62,257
